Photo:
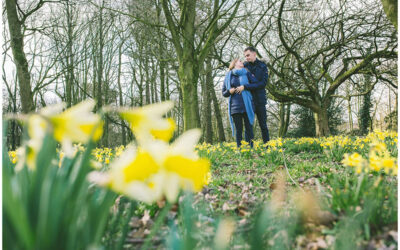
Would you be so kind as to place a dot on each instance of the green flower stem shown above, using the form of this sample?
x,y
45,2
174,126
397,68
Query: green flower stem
x,y
157,224
125,229
360,181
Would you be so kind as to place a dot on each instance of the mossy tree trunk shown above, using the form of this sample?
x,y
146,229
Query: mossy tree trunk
x,y
191,54
321,123
206,91
21,63
390,8
284,119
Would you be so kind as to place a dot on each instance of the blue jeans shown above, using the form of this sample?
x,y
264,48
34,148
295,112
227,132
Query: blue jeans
x,y
261,113
238,121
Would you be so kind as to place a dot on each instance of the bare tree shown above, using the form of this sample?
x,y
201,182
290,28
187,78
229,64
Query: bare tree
x,y
326,54
192,48
15,24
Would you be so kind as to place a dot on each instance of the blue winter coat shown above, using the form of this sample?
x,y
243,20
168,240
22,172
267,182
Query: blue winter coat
x,y
236,101
260,71
240,102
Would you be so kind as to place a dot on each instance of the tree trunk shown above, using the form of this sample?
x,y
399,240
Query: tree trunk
x,y
208,135
94,74
121,103
146,70
167,94
321,123
17,46
188,76
365,112
85,75
106,118
70,59
390,8
100,62
350,114
161,63
139,83
217,112
162,81
154,81
178,114
284,118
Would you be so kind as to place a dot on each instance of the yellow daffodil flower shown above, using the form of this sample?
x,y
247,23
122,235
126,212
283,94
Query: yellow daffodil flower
x,y
73,125
157,169
37,129
379,157
164,134
77,124
148,123
354,160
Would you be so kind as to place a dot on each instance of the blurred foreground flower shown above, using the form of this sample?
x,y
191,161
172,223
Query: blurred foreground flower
x,y
37,128
354,160
155,169
76,124
148,123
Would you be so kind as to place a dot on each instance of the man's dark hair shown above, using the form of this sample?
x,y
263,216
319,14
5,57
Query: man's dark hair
x,y
251,48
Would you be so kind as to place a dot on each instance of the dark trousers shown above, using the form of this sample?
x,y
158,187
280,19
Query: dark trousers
x,y
261,113
238,120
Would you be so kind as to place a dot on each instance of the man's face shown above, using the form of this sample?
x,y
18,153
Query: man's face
x,y
250,55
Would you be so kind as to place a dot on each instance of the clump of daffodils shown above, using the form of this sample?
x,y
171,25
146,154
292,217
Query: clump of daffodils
x,y
379,159
74,125
153,168
13,156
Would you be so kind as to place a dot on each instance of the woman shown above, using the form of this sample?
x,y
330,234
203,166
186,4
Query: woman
x,y
241,106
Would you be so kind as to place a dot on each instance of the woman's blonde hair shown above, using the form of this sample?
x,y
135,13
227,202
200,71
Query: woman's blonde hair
x,y
232,65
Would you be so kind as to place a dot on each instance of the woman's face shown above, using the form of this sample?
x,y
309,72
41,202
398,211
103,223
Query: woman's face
x,y
239,64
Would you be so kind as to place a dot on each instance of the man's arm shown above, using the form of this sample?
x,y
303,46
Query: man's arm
x,y
254,83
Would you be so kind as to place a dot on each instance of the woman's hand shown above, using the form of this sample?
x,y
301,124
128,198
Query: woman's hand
x,y
239,89
232,91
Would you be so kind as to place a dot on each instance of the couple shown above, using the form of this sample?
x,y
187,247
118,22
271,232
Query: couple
x,y
244,84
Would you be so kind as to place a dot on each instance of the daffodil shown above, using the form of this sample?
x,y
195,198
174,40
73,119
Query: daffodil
x,y
77,124
390,165
157,169
13,156
354,160
375,162
379,157
148,123
37,129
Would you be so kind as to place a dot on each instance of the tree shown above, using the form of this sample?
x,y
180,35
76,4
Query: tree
x,y
305,123
15,24
284,118
329,50
192,48
206,91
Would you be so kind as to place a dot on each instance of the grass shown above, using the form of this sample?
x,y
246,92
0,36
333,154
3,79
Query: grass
x,y
296,194
244,182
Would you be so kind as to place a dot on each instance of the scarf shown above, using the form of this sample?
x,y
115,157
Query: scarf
x,y
247,98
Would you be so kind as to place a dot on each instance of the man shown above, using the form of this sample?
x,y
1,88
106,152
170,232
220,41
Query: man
x,y
260,71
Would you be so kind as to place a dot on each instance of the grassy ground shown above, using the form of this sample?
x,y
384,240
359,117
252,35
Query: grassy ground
x,y
297,194
329,193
